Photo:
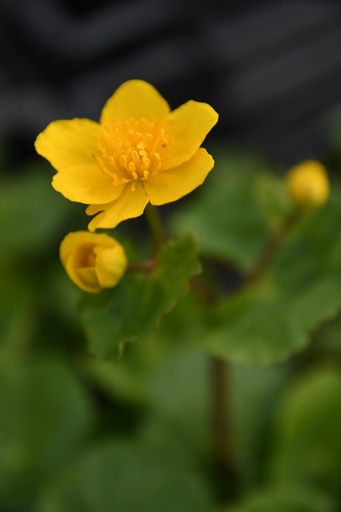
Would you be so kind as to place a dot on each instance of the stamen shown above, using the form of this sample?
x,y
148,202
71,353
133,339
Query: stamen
x,y
135,157
101,148
146,161
99,161
123,161
132,150
131,167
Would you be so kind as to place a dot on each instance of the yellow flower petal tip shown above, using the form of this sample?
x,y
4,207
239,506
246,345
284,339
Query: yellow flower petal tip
x,y
308,184
139,152
93,261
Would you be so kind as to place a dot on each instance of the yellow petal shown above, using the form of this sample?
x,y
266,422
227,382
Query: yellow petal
x,y
86,184
172,184
72,241
83,276
68,143
134,98
129,205
76,256
110,265
69,146
92,209
86,279
189,124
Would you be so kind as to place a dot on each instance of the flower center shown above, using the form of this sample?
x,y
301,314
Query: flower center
x,y
133,150
86,257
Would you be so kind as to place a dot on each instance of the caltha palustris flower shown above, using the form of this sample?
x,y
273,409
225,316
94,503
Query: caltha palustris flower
x,y
140,151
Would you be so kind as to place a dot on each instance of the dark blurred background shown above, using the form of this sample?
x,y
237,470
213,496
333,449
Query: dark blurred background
x,y
271,69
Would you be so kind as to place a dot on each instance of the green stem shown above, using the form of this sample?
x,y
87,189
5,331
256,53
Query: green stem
x,y
155,226
220,423
271,248
224,464
144,266
224,473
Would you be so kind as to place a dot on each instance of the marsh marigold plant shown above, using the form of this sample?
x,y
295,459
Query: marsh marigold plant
x,y
93,261
139,152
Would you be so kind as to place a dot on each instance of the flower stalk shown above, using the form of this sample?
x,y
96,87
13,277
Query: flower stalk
x,y
271,248
156,226
224,465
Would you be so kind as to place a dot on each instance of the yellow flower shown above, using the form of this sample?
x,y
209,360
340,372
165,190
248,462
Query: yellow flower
x,y
140,151
93,261
308,184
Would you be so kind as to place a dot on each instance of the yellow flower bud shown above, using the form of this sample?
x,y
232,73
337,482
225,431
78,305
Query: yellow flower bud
x,y
308,184
93,261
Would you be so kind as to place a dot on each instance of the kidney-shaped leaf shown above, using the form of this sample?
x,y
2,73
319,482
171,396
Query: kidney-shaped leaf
x,y
125,478
134,309
45,418
270,320
231,216
286,499
307,440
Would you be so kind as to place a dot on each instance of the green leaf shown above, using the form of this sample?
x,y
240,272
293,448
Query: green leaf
x,y
178,391
126,477
31,212
285,499
253,394
134,309
307,441
327,340
231,215
32,216
274,319
44,420
128,380
18,317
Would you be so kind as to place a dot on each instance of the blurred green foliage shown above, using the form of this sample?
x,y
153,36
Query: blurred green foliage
x,y
83,429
